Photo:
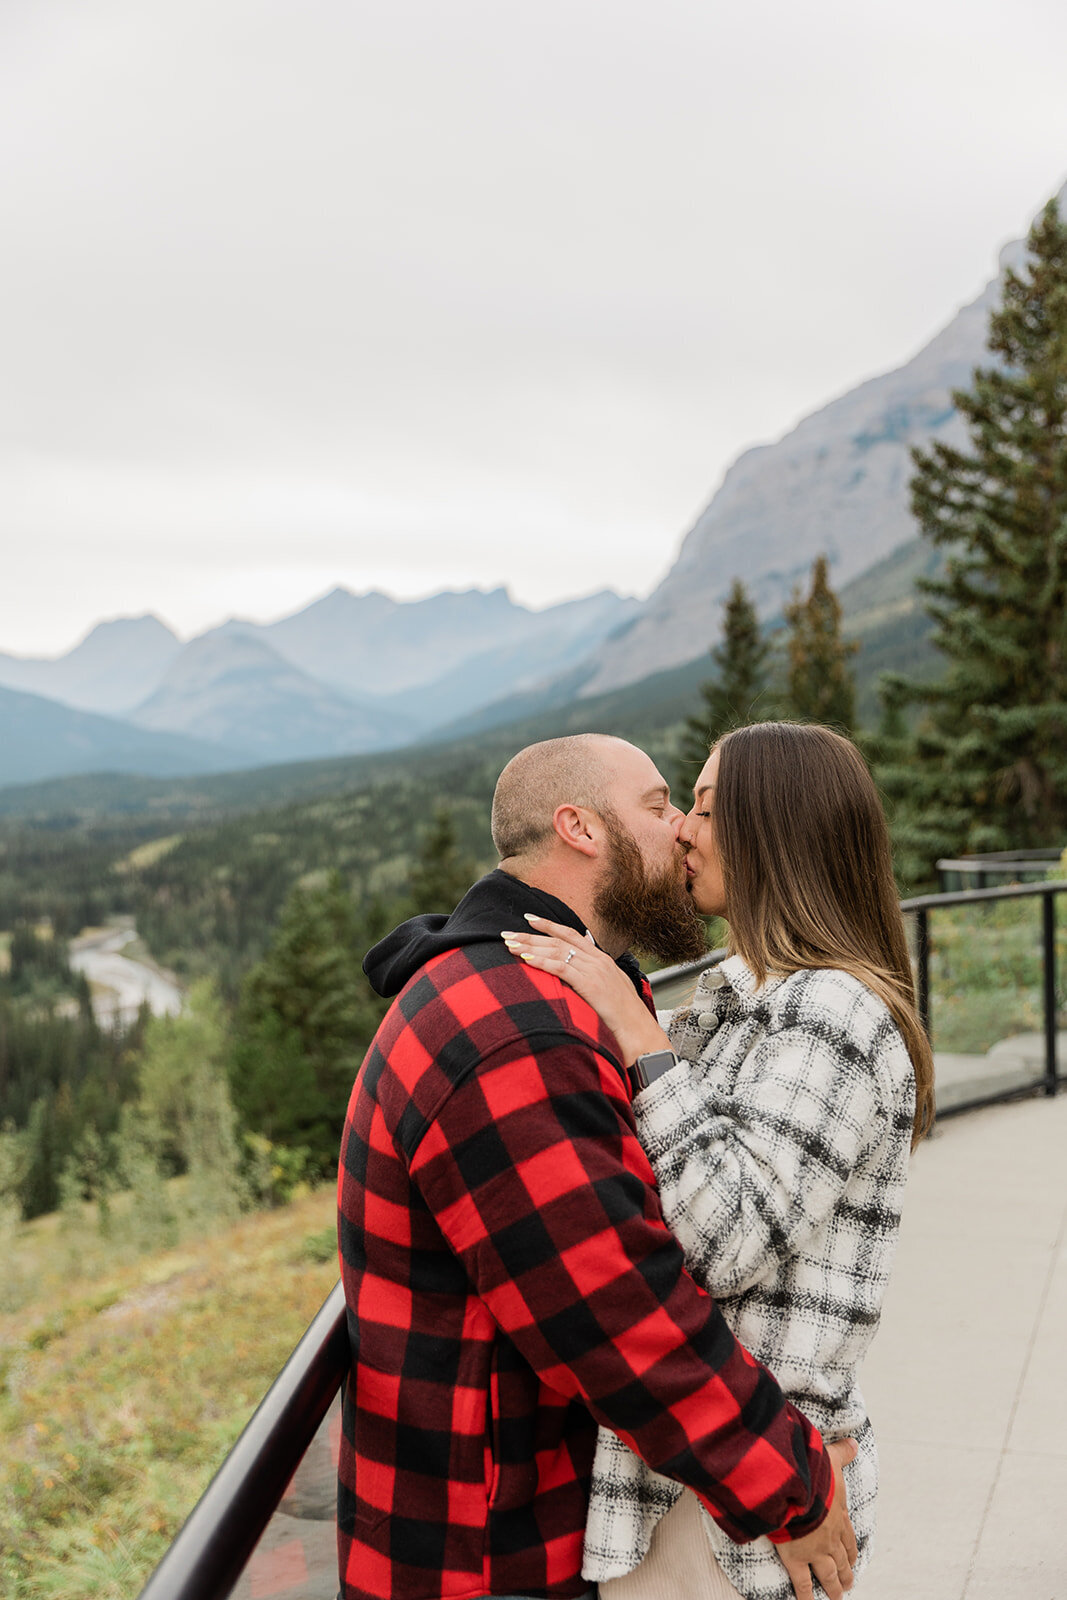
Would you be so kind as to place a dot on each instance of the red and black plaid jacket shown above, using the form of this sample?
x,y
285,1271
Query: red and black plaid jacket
x,y
511,1283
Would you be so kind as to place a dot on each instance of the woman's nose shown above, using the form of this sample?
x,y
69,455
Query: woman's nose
x,y
685,832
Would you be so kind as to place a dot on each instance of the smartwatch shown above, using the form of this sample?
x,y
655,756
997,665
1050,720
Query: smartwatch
x,y
646,1069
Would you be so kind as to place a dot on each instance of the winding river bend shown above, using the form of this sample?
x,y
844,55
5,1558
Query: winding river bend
x,y
119,984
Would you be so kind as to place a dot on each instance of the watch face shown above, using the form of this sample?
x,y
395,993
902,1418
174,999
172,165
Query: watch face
x,y
654,1065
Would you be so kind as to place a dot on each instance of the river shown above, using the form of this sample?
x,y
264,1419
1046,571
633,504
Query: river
x,y
121,985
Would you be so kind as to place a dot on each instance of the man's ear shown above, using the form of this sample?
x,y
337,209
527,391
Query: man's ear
x,y
575,827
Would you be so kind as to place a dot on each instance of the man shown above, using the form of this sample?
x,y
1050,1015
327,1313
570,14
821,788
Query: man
x,y
509,1278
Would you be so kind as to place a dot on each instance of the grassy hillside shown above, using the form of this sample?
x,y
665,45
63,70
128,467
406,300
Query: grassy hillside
x,y
124,1385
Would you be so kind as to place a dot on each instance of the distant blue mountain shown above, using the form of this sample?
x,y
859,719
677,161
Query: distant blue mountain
x,y
440,656
114,668
347,673
40,739
234,689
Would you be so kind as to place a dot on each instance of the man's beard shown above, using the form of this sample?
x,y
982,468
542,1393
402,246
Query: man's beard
x,y
650,910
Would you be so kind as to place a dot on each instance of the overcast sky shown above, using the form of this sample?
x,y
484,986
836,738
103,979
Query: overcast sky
x,y
415,294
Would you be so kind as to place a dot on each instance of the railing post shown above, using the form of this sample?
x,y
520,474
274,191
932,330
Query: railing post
x,y
1048,930
922,962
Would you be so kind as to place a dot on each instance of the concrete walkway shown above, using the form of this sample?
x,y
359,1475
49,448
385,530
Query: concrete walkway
x,y
967,1379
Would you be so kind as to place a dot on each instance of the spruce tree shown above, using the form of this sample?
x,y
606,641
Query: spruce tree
x,y
441,874
819,682
988,769
732,698
304,1020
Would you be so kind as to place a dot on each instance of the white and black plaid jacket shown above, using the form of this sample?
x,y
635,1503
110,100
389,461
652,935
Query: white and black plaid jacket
x,y
780,1143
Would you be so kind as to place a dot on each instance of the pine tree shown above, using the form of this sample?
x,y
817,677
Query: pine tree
x,y
305,1018
441,875
988,769
819,684
732,698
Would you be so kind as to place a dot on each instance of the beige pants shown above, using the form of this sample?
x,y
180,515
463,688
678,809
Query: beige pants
x,y
680,1564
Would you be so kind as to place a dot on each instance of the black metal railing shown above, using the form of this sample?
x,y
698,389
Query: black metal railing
x,y
984,871
211,1551
920,908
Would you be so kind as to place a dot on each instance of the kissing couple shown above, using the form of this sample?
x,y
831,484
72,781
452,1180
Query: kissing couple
x,y
608,1287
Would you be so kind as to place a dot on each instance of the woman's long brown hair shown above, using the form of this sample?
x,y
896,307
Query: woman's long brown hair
x,y
808,872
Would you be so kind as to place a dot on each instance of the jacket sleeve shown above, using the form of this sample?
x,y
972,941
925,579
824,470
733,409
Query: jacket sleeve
x,y
746,1176
533,1171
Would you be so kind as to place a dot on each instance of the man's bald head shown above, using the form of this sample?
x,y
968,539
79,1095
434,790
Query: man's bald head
x,y
575,771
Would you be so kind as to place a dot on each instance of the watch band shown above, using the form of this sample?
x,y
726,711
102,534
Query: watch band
x,y
646,1069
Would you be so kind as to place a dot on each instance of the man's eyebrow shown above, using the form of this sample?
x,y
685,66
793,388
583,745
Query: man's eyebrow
x,y
660,789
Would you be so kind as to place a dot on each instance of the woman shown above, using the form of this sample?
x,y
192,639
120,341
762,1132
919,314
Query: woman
x,y
780,1133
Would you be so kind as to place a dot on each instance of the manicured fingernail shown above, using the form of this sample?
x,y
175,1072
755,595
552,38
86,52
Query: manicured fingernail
x,y
511,933
531,918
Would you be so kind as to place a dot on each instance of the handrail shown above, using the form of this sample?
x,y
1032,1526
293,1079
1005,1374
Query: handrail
x,y
212,1548
1002,858
684,969
996,863
962,897
921,905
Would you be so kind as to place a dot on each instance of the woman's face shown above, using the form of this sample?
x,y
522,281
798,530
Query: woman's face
x,y
698,833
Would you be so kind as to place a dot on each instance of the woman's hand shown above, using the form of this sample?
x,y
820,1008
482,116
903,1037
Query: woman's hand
x,y
592,974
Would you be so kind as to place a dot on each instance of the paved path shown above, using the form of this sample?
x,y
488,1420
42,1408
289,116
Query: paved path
x,y
967,1379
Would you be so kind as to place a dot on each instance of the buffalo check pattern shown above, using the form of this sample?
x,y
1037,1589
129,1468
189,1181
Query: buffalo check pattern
x,y
511,1284
781,1145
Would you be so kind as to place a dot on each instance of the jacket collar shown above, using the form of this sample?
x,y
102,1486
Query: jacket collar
x,y
734,974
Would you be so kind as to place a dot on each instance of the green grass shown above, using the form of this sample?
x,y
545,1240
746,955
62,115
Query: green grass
x,y
122,1386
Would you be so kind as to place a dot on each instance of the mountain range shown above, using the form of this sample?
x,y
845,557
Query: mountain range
x,y
354,673
347,673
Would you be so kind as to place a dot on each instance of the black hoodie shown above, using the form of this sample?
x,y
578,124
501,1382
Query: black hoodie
x,y
495,904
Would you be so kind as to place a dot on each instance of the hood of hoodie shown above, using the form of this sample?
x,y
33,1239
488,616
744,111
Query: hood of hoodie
x,y
495,903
